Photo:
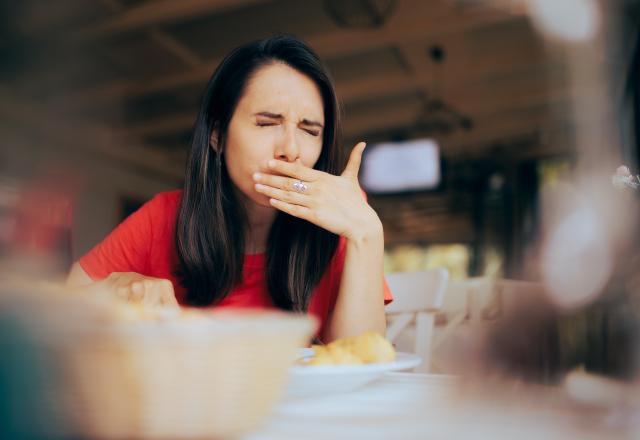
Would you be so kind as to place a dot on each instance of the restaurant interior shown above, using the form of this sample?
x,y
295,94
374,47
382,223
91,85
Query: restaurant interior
x,y
495,134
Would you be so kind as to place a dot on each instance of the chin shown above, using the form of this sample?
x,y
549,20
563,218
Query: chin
x,y
249,195
263,201
260,199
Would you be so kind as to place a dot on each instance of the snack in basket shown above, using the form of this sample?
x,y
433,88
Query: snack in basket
x,y
367,348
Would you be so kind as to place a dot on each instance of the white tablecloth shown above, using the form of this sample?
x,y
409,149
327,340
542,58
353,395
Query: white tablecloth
x,y
391,407
412,406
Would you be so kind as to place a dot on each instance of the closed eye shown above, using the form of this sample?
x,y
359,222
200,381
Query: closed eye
x,y
312,132
270,124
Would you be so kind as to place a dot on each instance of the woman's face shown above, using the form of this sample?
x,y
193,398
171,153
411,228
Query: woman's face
x,y
280,116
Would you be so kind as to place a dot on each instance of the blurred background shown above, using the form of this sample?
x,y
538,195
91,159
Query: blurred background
x,y
523,108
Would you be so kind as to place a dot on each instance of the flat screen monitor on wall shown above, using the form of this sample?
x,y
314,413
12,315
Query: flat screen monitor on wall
x,y
398,167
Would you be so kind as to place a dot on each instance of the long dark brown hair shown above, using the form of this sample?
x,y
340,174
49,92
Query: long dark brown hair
x,y
211,223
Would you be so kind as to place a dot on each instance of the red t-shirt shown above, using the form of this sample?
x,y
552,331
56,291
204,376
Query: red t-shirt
x,y
144,243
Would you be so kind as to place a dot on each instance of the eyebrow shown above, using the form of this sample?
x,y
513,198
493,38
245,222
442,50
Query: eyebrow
x,y
307,122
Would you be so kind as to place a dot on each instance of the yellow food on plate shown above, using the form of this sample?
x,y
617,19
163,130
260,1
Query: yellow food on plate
x,y
333,355
367,348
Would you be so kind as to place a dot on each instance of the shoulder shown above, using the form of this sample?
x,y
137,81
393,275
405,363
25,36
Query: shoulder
x,y
168,197
156,215
155,221
165,202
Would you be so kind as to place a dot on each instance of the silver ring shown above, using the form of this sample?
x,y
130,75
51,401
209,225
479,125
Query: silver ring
x,y
300,186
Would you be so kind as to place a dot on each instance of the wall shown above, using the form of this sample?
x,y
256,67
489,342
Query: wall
x,y
99,181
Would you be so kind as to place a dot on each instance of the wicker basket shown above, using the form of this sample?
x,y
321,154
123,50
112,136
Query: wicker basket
x,y
182,378
171,381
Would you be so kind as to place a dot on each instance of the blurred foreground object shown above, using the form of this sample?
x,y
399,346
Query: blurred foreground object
x,y
578,255
533,340
624,179
125,375
36,218
568,20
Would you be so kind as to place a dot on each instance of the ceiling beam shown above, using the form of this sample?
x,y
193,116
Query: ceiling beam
x,y
465,62
382,119
369,86
156,13
413,21
472,99
160,126
173,46
496,129
90,137
490,131
161,38
487,132
496,124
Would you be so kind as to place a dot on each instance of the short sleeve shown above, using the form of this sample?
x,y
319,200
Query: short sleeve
x,y
127,247
388,296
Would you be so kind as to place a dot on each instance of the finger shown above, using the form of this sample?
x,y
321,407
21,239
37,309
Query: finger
x,y
169,300
284,196
121,279
284,183
123,292
295,210
272,180
355,158
294,169
151,299
159,292
113,280
153,292
168,296
137,291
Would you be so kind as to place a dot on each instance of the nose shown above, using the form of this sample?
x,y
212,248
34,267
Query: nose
x,y
287,148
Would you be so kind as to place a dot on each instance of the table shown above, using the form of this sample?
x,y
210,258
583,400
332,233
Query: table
x,y
416,406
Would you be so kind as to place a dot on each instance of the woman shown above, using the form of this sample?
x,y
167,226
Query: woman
x,y
268,215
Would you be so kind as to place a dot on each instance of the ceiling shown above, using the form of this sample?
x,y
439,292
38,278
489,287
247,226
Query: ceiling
x,y
467,74
473,76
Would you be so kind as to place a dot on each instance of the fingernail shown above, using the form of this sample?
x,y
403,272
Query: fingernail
x,y
271,163
259,187
257,177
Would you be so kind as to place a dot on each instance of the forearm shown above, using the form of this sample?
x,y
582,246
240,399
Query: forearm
x,y
360,303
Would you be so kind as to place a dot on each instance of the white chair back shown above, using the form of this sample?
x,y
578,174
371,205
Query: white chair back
x,y
417,297
477,293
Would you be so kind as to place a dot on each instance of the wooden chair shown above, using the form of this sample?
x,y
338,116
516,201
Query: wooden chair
x,y
418,296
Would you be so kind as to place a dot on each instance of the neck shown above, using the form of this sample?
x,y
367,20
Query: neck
x,y
259,219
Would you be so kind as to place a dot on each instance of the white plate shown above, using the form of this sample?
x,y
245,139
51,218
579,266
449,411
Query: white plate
x,y
329,379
